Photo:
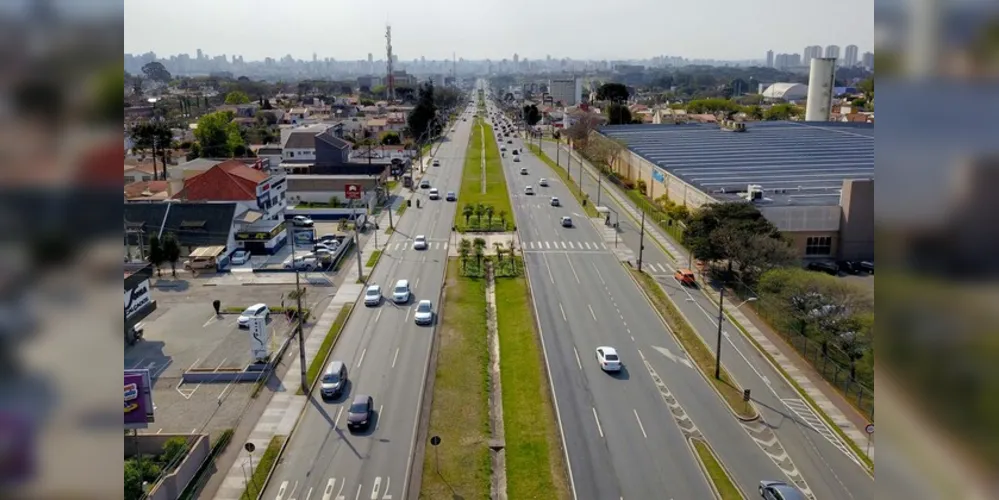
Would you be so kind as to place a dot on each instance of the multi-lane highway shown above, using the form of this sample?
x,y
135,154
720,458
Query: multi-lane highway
x,y
812,449
387,357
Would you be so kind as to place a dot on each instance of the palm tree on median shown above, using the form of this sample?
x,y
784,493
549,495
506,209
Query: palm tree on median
x,y
467,211
464,250
480,250
489,215
480,210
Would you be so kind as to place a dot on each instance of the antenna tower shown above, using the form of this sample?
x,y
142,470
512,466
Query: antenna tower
x,y
390,87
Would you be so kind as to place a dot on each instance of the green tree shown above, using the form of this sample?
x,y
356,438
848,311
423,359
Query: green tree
x,y
754,111
489,215
502,217
479,245
779,112
467,212
513,256
218,135
613,92
173,449
133,480
464,250
480,210
867,87
736,232
700,106
422,120
155,136
156,72
532,114
618,114
237,97
171,252
156,255
391,139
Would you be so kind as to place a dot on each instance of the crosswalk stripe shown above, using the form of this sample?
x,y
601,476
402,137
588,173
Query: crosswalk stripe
x,y
587,245
546,245
570,246
563,244
604,246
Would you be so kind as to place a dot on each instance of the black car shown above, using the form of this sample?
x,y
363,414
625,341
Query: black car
x,y
867,267
849,267
359,413
825,267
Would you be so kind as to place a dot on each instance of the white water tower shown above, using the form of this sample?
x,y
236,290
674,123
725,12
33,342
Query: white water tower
x,y
821,81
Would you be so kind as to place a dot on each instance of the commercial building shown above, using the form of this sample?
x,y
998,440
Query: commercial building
x,y
852,56
814,182
568,92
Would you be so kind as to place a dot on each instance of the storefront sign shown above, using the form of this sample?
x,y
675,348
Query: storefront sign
x,y
260,339
137,298
138,399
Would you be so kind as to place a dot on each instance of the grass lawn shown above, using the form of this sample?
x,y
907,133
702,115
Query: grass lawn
x,y
496,194
719,477
263,468
590,210
317,363
373,258
459,413
534,467
699,353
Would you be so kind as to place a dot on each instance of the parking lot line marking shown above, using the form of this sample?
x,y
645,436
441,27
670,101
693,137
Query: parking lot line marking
x,y
135,366
219,367
159,431
210,320
640,426
194,430
359,361
193,364
577,357
358,495
309,494
395,357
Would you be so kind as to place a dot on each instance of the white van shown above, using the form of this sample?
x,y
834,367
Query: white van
x,y
400,294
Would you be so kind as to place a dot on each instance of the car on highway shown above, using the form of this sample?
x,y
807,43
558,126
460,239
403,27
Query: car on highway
x,y
373,295
528,190
436,162
451,196
424,314
253,311
779,490
516,159
334,379
543,182
239,257
424,184
523,170
434,194
502,148
566,221
359,413
400,294
420,242
302,221
608,358
555,202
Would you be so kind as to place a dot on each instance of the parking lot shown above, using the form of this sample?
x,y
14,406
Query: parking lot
x,y
284,253
185,333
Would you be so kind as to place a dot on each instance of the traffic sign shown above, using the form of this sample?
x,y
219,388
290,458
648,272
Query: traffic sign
x,y
436,440
869,428
249,447
352,191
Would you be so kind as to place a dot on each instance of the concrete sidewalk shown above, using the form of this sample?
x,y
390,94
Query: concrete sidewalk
x,y
286,406
829,401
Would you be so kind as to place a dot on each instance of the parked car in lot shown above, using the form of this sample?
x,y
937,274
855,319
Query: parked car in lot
x,y
302,221
823,266
303,263
239,257
253,311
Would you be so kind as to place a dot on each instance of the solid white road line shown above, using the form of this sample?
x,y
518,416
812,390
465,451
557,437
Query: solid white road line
x,y
597,419
577,357
550,276
361,360
591,312
563,312
336,421
640,426
573,268
358,495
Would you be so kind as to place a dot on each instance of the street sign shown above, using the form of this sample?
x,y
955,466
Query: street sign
x,y
352,191
249,447
436,440
869,428
745,395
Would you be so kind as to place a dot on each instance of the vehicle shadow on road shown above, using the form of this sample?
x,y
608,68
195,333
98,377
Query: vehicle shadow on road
x,y
343,436
622,374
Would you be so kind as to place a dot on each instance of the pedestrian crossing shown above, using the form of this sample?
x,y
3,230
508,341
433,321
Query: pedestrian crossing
x,y
563,246
408,245
656,268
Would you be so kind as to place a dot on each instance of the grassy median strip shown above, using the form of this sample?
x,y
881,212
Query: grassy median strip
x,y
317,363
718,475
534,467
496,196
459,413
373,258
402,207
590,210
699,353
263,468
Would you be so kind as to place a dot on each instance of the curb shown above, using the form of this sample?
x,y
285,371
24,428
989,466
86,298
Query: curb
x,y
704,468
277,459
698,370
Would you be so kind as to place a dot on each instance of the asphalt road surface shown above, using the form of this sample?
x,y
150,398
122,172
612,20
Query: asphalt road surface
x,y
387,356
816,452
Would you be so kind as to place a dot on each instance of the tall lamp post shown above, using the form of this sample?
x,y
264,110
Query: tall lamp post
x,y
721,319
641,243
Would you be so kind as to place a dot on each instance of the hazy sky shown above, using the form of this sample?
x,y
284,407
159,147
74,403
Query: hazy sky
x,y
495,29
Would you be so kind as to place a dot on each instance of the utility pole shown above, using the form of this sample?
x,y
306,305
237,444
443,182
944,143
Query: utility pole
x,y
641,243
599,177
357,243
721,300
298,315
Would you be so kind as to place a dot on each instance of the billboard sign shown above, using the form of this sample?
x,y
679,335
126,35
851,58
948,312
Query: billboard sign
x,y
136,298
138,399
352,191
260,339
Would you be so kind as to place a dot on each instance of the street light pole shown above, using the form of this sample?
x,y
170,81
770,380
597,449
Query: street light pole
x,y
641,243
721,317
298,326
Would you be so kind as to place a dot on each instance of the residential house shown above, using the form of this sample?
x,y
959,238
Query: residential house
x,y
234,182
193,224
147,191
296,116
139,173
374,127
248,110
273,152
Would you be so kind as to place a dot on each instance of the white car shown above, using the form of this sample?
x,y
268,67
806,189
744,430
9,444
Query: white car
x,y
400,294
239,257
253,311
543,182
516,159
555,202
420,243
523,171
305,263
373,295
608,359
424,313
528,190
301,221
434,194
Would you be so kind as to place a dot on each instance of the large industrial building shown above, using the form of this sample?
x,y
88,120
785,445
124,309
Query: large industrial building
x,y
814,181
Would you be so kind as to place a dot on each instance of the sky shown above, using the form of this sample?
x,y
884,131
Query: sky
x,y
495,29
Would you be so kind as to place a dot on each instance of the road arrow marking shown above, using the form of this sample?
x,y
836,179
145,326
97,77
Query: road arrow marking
x,y
673,357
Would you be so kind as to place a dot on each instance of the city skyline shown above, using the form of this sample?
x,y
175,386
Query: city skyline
x,y
435,30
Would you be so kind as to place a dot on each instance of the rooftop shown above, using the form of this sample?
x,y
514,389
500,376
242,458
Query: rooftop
x,y
795,163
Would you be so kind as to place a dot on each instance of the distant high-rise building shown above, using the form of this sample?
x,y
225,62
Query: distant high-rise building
x,y
811,52
832,52
516,59
787,61
868,60
201,54
314,57
770,58
850,56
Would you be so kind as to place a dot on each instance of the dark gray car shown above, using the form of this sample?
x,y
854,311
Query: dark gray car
x,y
779,490
359,413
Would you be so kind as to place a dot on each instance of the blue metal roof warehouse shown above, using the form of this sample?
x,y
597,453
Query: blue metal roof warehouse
x,y
795,163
